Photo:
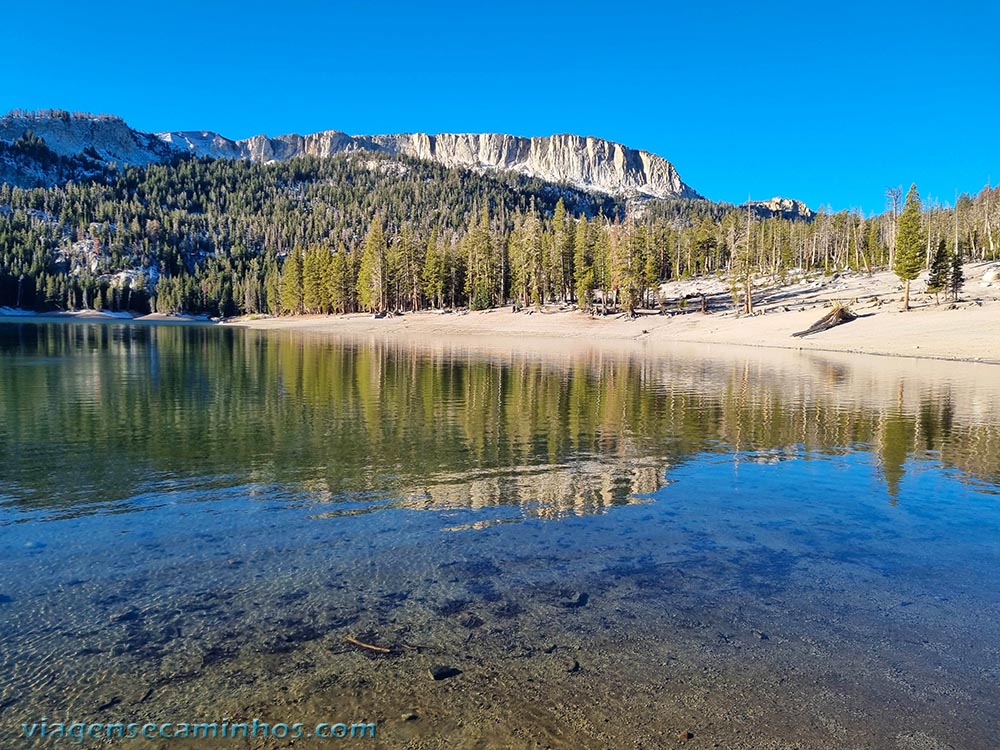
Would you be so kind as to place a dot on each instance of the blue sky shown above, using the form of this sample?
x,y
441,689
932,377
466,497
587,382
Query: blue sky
x,y
829,103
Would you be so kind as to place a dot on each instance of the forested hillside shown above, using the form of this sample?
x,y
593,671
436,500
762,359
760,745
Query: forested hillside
x,y
369,232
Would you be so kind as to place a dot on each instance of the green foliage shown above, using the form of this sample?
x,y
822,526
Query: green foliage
x,y
483,285
956,277
909,261
204,236
583,264
373,273
940,269
291,290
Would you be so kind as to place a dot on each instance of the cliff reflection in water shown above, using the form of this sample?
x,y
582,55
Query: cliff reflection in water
x,y
99,415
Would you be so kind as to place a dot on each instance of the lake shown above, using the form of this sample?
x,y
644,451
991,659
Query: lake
x,y
595,547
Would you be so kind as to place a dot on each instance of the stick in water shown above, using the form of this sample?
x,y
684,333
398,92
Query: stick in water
x,y
368,646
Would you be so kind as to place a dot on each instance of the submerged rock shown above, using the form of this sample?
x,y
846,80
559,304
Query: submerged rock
x,y
443,672
470,621
577,599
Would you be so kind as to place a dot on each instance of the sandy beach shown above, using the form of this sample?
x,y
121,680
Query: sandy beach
x,y
968,330
933,328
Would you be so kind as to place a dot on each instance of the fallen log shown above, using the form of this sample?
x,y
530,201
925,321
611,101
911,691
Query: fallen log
x,y
838,315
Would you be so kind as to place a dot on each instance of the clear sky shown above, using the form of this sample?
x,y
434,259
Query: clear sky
x,y
829,103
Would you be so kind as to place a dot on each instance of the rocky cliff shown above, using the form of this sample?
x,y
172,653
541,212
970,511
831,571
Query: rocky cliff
x,y
584,162
786,208
105,137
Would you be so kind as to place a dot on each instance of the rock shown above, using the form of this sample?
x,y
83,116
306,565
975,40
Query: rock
x,y
571,665
409,716
128,615
443,672
470,621
577,599
760,635
109,703
786,208
685,735
991,275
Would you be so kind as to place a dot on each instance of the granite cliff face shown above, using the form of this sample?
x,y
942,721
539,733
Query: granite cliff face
x,y
584,162
785,208
105,137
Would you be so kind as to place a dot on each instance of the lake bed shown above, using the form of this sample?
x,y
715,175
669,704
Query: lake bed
x,y
609,546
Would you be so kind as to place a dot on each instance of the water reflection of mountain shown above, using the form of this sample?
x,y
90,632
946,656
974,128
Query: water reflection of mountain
x,y
92,414
546,492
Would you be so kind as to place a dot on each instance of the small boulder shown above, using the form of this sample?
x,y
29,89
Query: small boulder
x,y
440,672
577,599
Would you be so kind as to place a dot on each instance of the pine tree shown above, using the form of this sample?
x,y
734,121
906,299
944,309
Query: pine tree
x,y
372,281
272,288
561,253
433,275
291,283
531,239
481,288
410,267
937,279
909,260
314,271
602,257
583,265
957,277
340,283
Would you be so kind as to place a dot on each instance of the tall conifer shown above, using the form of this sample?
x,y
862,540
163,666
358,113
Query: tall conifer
x,y
909,260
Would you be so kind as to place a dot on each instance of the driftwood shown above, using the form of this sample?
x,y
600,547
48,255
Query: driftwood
x,y
370,647
833,318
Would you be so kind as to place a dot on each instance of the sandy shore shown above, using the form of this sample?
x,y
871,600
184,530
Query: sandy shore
x,y
968,331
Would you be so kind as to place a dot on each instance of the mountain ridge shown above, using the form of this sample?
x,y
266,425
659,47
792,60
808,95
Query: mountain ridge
x,y
585,162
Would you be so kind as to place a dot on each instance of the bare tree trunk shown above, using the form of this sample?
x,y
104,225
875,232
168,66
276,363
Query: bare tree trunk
x,y
989,228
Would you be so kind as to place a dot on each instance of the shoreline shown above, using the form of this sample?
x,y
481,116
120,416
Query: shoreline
x,y
970,335
968,331
14,315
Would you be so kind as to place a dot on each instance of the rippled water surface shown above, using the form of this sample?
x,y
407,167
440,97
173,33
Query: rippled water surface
x,y
612,547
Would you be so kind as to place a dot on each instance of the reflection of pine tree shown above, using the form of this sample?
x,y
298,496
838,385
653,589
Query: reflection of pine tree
x,y
893,451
